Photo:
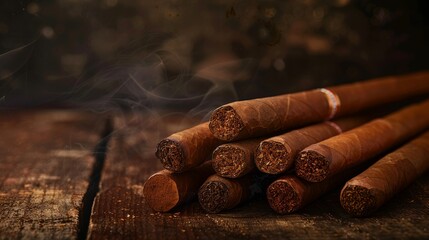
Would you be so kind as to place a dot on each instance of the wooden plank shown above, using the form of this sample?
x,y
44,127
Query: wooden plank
x,y
119,210
46,159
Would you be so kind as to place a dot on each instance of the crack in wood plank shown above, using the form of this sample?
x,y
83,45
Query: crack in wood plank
x,y
94,182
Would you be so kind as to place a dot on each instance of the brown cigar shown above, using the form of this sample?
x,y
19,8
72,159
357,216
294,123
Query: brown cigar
x,y
257,117
290,193
218,193
365,193
321,160
277,154
187,149
233,160
165,190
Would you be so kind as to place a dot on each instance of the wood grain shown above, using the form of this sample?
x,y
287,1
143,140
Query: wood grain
x,y
120,211
45,164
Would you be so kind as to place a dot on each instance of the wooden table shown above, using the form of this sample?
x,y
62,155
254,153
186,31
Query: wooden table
x,y
57,183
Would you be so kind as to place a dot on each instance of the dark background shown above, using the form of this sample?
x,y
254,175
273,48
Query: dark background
x,y
192,56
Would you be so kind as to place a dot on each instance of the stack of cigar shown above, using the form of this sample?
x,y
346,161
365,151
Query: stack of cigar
x,y
296,147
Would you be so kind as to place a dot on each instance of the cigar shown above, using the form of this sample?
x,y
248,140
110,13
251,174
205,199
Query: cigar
x,y
218,194
277,154
166,190
258,117
234,160
365,193
289,193
187,149
321,160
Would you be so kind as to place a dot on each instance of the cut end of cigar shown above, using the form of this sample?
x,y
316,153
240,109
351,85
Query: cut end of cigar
x,y
272,157
161,193
312,166
171,155
213,196
357,200
225,124
282,197
229,161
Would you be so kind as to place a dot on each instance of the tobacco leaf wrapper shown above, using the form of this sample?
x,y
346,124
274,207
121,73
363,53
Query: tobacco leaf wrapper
x,y
289,193
187,149
277,154
166,190
233,160
218,193
321,160
258,117
365,193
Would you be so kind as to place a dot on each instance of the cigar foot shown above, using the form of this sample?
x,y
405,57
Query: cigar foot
x,y
213,196
272,157
225,124
171,155
312,166
229,161
358,201
163,192
282,197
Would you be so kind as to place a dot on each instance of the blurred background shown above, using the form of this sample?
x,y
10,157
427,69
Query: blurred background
x,y
192,56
